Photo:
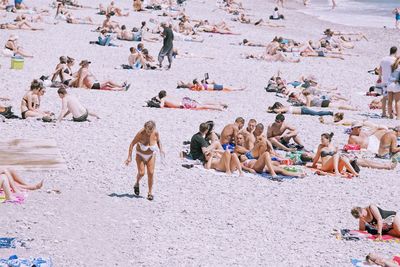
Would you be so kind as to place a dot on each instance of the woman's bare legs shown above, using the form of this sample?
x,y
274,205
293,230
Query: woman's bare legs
x,y
376,165
396,227
396,97
108,85
225,160
22,53
343,106
5,185
390,104
332,165
282,171
140,169
11,174
264,162
234,89
235,164
344,162
93,115
211,107
34,114
150,174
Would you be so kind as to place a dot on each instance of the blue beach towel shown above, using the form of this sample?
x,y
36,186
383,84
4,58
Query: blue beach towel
x,y
360,263
7,242
14,261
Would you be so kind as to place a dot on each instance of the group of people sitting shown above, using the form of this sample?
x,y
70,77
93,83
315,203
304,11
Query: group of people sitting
x,y
64,76
238,148
31,108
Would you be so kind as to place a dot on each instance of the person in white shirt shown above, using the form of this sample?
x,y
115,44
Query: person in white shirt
x,y
385,71
70,104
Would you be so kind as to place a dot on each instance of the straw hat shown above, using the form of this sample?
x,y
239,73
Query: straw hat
x,y
13,37
356,124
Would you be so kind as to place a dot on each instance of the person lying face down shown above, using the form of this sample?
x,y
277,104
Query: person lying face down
x,y
186,103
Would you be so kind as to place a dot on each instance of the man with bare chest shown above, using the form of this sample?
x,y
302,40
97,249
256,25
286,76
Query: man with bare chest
x,y
229,134
280,134
247,133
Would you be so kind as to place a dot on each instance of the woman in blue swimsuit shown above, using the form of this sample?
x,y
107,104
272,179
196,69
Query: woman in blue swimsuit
x,y
396,13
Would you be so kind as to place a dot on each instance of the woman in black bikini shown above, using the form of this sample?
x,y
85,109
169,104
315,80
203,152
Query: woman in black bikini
x,y
12,46
59,72
30,101
331,160
378,220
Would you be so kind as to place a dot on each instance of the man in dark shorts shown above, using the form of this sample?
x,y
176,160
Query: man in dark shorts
x,y
280,134
167,47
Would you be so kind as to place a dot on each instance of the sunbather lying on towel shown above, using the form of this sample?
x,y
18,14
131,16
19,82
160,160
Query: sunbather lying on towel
x,y
12,184
378,260
186,103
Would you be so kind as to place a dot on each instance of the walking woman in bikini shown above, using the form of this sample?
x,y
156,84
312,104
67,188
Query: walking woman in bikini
x,y
147,143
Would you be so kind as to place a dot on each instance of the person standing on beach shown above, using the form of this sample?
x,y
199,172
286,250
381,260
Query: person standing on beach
x,y
167,48
333,4
385,71
396,13
147,143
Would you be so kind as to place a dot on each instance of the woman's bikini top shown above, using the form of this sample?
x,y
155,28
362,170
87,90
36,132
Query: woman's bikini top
x,y
9,48
327,153
67,70
387,218
27,103
153,148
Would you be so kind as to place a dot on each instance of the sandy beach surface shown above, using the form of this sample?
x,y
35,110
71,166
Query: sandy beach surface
x,y
198,217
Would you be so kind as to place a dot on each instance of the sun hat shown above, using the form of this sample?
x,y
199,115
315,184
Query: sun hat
x,y
356,124
13,37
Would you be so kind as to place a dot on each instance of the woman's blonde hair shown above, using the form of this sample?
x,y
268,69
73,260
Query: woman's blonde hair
x,y
150,125
356,212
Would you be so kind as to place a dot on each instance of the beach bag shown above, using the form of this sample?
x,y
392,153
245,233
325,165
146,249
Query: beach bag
x,y
353,164
154,103
351,147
